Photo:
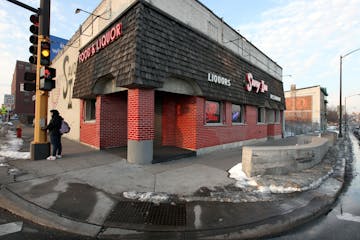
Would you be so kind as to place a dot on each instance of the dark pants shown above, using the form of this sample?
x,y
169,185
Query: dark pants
x,y
56,144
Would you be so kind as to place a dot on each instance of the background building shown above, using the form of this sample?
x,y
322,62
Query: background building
x,y
24,106
305,110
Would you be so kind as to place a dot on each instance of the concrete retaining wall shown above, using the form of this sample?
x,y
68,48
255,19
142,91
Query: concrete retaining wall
x,y
266,160
331,136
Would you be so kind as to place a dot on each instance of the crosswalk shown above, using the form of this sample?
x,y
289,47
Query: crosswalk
x,y
9,228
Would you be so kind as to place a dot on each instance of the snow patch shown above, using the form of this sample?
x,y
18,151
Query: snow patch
x,y
242,181
10,148
147,196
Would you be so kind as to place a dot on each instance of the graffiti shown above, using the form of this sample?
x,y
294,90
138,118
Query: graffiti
x,y
69,74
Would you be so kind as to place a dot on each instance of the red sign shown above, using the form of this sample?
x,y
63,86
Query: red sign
x,y
101,42
258,85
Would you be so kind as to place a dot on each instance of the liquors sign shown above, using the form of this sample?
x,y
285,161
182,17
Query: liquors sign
x,y
251,83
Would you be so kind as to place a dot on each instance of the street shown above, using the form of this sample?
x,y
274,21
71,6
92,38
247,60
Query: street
x,y
343,221
15,228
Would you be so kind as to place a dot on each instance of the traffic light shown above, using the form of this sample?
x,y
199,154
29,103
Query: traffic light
x,y
34,29
47,75
45,53
29,84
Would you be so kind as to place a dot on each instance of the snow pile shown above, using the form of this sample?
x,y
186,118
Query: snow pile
x,y
11,147
147,196
277,189
280,189
242,181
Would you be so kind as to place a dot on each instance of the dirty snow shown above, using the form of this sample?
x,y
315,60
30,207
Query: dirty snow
x,y
10,148
147,196
244,182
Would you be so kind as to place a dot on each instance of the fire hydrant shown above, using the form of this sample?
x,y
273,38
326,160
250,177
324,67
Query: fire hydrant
x,y
18,131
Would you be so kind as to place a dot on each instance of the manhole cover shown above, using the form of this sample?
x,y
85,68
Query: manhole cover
x,y
148,213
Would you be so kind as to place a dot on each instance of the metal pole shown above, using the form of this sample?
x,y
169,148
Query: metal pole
x,y
340,119
340,107
40,147
346,117
23,5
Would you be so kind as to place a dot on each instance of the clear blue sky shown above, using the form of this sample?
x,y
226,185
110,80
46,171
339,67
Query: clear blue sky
x,y
305,37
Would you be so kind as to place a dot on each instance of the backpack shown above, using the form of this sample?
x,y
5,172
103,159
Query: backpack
x,y
65,128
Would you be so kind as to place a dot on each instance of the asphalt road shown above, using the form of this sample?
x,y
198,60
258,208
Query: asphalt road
x,y
15,228
343,222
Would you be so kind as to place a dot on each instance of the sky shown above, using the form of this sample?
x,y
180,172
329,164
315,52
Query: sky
x,y
305,37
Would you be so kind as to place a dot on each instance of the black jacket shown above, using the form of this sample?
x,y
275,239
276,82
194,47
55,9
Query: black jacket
x,y
55,125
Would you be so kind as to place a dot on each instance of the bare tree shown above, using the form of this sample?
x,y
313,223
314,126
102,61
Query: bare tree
x,y
332,115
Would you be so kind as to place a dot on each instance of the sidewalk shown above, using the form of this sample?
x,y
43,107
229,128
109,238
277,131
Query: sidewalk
x,y
97,193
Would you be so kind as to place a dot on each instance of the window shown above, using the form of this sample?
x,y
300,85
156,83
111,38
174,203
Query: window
x,y
237,113
212,112
261,115
90,109
270,116
277,116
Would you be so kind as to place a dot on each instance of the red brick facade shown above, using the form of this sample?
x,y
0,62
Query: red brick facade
x,y
110,127
184,124
90,130
141,114
24,106
299,109
121,117
113,120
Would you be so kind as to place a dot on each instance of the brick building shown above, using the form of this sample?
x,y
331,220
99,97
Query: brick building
x,y
156,76
24,106
305,109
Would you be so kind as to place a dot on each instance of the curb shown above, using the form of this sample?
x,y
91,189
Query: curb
x,y
36,214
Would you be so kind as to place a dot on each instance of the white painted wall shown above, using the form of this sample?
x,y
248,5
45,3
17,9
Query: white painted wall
x,y
65,63
60,98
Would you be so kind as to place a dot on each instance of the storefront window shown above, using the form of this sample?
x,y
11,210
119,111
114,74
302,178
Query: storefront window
x,y
237,113
277,116
270,116
90,109
261,115
212,112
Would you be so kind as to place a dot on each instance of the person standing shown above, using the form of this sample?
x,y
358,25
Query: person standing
x,y
55,134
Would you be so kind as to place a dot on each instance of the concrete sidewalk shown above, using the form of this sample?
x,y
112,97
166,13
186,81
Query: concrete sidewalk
x,y
97,193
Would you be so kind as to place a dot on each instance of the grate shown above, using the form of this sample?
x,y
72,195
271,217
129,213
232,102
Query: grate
x,y
129,212
126,212
167,214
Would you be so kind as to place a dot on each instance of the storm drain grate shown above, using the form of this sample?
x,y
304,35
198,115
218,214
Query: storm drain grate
x,y
167,214
148,213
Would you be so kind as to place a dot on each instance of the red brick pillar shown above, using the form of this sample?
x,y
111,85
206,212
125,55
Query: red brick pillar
x,y
141,115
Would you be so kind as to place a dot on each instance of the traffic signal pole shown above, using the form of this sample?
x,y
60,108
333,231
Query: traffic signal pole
x,y
40,147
